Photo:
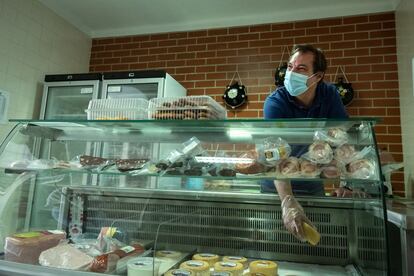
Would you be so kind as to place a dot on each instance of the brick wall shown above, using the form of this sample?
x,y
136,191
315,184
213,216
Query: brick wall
x,y
204,62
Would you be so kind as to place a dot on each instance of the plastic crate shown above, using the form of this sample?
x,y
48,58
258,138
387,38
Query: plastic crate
x,y
117,109
185,108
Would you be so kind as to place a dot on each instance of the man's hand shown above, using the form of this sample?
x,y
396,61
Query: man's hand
x,y
293,217
348,192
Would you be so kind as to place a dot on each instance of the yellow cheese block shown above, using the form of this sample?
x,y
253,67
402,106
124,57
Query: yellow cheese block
x,y
236,259
179,272
312,236
267,268
200,268
236,269
207,257
168,254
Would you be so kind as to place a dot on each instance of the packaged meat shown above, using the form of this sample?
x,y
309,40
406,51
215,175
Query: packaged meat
x,y
26,247
65,256
345,153
107,262
275,149
288,167
252,167
309,168
335,136
319,152
361,169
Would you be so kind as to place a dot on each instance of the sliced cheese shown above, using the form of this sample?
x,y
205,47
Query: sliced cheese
x,y
312,236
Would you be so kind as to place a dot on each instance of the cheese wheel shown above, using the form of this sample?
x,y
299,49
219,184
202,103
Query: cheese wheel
x,y
311,235
207,257
200,268
235,268
267,268
236,259
179,272
221,273
168,254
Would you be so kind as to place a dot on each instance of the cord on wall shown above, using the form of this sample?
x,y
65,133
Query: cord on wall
x,y
4,105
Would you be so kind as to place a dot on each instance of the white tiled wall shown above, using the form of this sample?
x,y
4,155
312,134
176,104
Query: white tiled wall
x,y
405,51
33,42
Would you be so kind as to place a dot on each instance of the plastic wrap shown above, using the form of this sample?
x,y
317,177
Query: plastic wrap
x,y
309,168
26,247
345,153
65,256
275,149
333,136
319,152
288,168
252,167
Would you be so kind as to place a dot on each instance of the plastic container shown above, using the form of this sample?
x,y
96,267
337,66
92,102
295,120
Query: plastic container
x,y
185,108
117,109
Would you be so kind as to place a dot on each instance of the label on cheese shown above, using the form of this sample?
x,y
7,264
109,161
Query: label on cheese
x,y
127,249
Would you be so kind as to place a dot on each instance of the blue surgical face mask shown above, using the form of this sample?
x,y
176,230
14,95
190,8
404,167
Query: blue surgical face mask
x,y
295,83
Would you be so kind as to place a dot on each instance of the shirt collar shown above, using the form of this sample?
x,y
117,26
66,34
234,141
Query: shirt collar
x,y
316,101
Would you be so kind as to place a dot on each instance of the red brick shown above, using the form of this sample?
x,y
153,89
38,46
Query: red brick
x,y
380,129
259,43
165,43
226,53
124,53
105,41
195,48
260,28
248,52
125,39
112,60
247,114
343,61
216,46
195,62
205,69
226,68
204,84
271,50
362,103
370,59
387,102
119,67
356,36
237,60
129,59
156,64
196,92
197,33
102,68
391,76
282,41
187,41
253,36
368,26
155,51
389,41
318,31
216,76
343,45
370,76
357,68
238,30
185,55
389,138
216,61
382,17
368,43
146,44
343,29
306,40
175,63
270,35
355,19
356,52
385,84
177,35
138,66
227,38
395,148
141,38
384,67
97,48
383,50
238,45
166,57
290,33
158,36
282,26
205,40
393,111
195,76
382,34
305,24
330,22
140,52
330,37
103,54
214,32
185,70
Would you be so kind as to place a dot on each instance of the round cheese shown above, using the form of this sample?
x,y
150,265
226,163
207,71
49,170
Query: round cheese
x,y
267,268
236,259
235,268
207,257
200,268
179,272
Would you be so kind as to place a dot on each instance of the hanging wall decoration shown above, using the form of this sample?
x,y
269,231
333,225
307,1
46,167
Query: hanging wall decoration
x,y
235,94
281,69
345,89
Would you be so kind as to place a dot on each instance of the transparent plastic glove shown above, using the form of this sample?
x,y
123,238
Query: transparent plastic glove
x,y
293,217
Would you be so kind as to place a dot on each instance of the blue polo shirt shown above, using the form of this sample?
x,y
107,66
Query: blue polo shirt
x,y
280,104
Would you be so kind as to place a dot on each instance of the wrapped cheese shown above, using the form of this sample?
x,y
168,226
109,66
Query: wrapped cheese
x,y
207,257
267,268
236,269
65,256
200,268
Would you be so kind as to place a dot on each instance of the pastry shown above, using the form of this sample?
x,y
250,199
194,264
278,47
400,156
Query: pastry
x,y
252,167
345,153
308,168
288,167
320,152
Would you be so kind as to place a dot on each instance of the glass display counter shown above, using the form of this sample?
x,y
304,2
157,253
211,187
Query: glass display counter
x,y
165,192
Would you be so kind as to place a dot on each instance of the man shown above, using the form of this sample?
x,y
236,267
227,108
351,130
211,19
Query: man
x,y
304,95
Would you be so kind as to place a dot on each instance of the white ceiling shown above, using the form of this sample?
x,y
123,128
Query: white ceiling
x,y
103,18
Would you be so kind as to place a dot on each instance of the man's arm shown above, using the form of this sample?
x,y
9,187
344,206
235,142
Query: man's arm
x,y
283,188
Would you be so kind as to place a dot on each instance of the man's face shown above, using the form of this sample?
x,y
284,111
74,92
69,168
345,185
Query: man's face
x,y
302,63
